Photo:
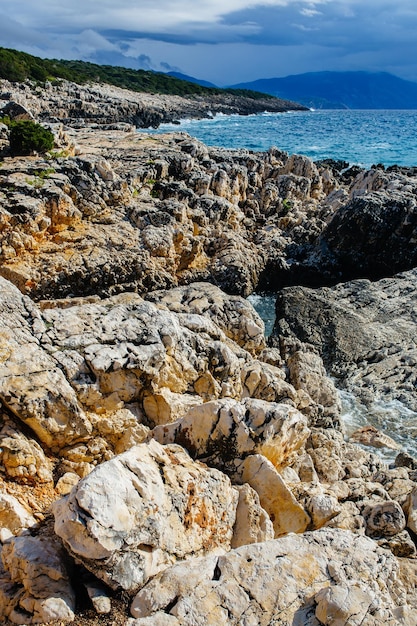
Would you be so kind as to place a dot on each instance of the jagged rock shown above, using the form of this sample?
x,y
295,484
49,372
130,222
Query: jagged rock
x,y
401,545
365,333
286,514
31,383
384,519
140,512
371,436
234,315
334,459
397,482
306,372
23,458
279,581
373,232
13,515
349,518
322,508
253,524
34,582
224,432
264,381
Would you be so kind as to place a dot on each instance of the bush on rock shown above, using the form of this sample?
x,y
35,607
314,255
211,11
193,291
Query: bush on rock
x,y
27,137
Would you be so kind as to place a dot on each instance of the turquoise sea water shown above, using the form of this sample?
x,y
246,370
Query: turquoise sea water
x,y
361,137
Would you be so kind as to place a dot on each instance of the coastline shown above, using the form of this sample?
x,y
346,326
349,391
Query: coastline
x,y
152,441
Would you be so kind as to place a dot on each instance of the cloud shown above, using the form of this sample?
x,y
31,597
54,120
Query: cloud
x,y
306,34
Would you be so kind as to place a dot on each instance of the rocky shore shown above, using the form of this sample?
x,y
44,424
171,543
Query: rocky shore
x,y
103,104
161,462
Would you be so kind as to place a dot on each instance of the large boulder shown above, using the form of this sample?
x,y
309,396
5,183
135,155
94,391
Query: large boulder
x,y
315,578
34,581
142,511
373,235
364,331
32,385
224,432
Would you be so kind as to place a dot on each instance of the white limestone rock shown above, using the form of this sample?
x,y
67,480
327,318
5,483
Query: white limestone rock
x,y
282,581
125,350
286,514
322,507
234,315
13,515
34,582
253,524
145,509
225,431
31,383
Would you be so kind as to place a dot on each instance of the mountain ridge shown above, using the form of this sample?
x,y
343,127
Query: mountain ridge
x,y
341,90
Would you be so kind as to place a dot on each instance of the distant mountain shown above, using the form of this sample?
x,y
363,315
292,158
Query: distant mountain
x,y
191,79
341,90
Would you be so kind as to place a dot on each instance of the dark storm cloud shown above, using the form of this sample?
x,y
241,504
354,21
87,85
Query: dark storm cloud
x,y
310,34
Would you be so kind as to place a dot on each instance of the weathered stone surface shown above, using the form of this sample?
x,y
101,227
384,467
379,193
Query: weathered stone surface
x,y
22,457
384,519
307,373
31,383
232,314
364,331
13,515
371,436
286,514
225,431
284,580
253,524
401,545
140,512
34,583
375,230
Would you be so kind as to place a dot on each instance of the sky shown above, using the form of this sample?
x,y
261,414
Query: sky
x,y
222,41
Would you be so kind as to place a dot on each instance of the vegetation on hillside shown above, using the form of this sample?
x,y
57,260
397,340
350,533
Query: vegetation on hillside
x,y
18,66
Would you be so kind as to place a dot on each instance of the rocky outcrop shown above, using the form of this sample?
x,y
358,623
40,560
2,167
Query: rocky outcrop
x,y
35,585
316,578
364,331
142,400
191,363
100,372
108,105
139,513
132,212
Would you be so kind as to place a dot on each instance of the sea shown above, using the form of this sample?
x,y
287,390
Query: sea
x,y
363,138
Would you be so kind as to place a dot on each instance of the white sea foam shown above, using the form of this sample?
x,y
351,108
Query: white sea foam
x,y
391,417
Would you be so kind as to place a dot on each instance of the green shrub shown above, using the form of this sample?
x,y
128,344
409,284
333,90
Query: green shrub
x,y
27,137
